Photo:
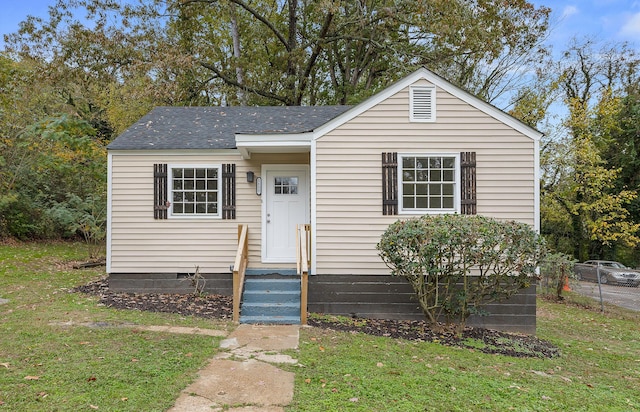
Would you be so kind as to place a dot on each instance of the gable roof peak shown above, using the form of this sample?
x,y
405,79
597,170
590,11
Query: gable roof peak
x,y
423,73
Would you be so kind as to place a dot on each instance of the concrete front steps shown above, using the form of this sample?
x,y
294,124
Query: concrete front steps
x,y
271,299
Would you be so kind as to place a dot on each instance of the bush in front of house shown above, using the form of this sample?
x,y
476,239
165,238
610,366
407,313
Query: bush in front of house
x,y
555,271
457,263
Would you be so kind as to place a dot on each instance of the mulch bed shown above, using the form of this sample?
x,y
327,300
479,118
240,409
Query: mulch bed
x,y
482,340
205,306
221,307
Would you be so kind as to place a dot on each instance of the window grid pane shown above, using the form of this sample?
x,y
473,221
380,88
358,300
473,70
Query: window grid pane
x,y
195,191
428,182
285,185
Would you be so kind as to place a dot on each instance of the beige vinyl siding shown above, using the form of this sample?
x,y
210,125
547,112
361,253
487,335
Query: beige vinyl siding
x,y
141,244
349,218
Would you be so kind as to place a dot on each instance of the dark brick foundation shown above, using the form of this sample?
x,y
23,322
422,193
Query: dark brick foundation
x,y
385,297
215,283
391,297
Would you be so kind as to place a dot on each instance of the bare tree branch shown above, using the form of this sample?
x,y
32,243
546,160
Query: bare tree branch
x,y
314,55
254,13
233,82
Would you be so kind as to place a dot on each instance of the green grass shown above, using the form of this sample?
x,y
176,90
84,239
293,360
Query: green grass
x,y
598,370
50,362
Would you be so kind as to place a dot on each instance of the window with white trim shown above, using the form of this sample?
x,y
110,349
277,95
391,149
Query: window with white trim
x,y
428,182
422,104
195,190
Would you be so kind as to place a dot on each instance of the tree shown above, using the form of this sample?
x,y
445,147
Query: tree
x,y
531,103
467,51
104,63
287,52
22,101
49,162
458,263
361,46
597,212
23,98
587,71
586,201
88,67
622,148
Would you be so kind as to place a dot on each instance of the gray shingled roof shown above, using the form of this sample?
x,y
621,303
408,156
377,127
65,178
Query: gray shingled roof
x,y
215,127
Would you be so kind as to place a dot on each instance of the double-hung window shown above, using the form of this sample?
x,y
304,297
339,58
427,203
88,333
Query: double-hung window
x,y
429,183
195,190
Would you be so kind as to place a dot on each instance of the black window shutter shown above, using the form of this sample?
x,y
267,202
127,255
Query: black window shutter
x,y
468,183
228,191
160,191
390,183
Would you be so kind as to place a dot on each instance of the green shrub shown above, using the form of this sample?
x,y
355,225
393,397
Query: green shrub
x,y
22,217
85,217
457,263
555,270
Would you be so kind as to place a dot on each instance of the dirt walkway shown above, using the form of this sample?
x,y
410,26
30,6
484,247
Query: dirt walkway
x,y
244,377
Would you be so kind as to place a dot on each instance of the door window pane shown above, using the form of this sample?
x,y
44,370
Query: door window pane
x,y
285,185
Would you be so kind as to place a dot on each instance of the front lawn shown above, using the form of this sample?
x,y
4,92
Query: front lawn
x,y
598,369
62,351
66,351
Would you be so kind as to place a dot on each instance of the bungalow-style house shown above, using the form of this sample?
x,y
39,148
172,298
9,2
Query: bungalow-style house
x,y
214,190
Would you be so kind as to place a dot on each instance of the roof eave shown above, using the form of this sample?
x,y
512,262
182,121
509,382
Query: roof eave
x,y
273,143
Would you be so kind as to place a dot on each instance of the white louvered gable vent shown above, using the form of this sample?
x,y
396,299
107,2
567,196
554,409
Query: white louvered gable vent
x,y
423,104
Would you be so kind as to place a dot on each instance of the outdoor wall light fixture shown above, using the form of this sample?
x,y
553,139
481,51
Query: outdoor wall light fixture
x,y
250,176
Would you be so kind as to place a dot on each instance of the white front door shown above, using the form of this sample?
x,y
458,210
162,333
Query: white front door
x,y
285,205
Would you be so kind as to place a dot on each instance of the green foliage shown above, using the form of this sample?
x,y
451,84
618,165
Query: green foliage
x,y
620,145
581,197
457,263
589,201
86,217
22,218
54,162
43,158
555,270
530,104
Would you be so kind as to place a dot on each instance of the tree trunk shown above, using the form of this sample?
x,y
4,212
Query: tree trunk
x,y
293,94
235,35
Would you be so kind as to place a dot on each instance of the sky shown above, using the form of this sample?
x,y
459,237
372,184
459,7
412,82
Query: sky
x,y
603,20
12,12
